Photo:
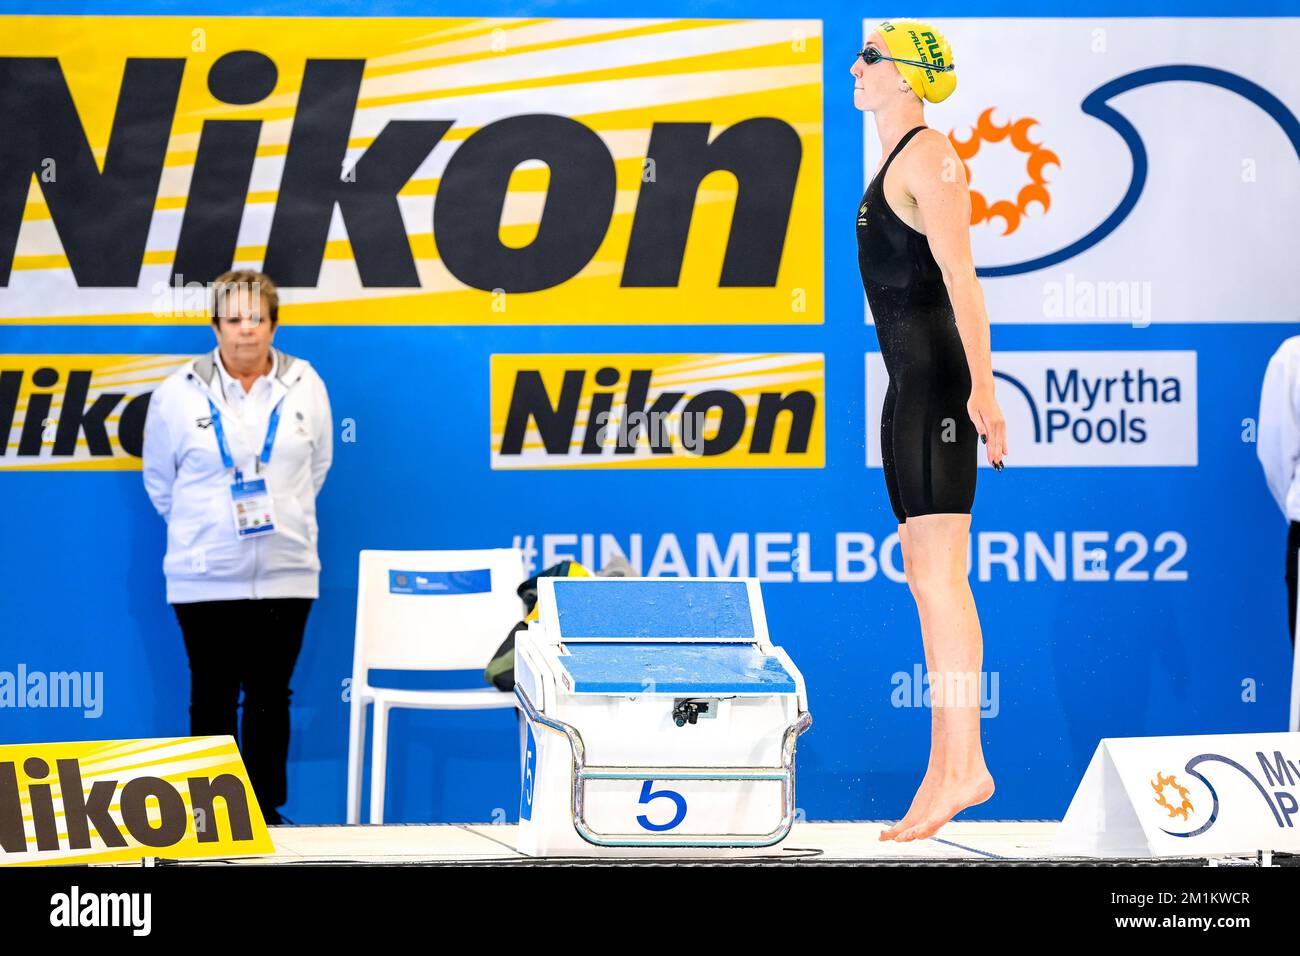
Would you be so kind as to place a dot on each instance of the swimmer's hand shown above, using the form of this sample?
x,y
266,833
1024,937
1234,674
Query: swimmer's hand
x,y
986,415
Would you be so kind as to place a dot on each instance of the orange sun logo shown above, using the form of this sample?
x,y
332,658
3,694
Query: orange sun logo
x,y
1036,158
1159,786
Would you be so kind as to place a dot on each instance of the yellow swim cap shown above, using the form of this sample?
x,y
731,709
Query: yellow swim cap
x,y
914,40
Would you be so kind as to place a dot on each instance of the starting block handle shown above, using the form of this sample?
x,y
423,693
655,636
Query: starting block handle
x,y
581,773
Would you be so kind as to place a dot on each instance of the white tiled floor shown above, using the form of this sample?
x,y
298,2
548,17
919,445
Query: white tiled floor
x,y
412,843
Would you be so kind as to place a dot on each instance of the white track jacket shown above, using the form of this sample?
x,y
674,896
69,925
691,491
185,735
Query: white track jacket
x,y
190,486
1278,444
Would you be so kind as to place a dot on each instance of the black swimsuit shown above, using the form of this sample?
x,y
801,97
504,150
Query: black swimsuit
x,y
928,444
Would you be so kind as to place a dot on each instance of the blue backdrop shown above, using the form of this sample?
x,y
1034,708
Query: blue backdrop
x,y
1076,660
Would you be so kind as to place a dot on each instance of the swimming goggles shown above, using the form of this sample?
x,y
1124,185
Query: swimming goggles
x,y
871,55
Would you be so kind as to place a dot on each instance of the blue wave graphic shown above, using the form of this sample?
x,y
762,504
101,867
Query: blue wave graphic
x,y
1096,104
1214,813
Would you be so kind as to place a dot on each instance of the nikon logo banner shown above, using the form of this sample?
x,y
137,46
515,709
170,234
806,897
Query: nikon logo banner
x,y
77,412
412,171
658,411
118,800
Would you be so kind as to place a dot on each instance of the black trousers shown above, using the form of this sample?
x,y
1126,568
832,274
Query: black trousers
x,y
1292,543
253,645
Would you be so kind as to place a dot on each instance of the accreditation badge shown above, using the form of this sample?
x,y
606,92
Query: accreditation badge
x,y
253,510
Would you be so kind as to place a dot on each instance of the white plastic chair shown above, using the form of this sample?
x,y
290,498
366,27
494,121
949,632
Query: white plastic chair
x,y
425,631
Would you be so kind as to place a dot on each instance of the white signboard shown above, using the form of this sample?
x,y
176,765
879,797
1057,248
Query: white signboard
x,y
1186,796
1137,170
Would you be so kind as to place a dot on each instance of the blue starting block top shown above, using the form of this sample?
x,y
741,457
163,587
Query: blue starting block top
x,y
705,610
696,669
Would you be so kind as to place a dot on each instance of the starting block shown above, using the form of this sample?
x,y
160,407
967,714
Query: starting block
x,y
660,720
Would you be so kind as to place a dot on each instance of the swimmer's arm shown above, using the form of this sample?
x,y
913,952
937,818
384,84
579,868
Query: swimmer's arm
x,y
937,181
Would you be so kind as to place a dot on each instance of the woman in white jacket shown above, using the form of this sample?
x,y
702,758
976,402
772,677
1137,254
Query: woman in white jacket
x,y
236,447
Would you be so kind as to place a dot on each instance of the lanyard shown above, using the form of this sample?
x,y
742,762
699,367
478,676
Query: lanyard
x,y
271,427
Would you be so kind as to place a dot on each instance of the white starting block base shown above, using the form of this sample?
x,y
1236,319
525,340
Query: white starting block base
x,y
615,806
660,720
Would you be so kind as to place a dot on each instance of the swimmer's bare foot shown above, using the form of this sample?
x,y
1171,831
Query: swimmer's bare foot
x,y
951,797
929,783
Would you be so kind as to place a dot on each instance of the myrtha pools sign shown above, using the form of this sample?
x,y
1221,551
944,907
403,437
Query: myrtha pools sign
x,y
1081,408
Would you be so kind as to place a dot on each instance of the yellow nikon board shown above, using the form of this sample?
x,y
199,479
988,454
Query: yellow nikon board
x,y
77,412
121,800
658,411
414,171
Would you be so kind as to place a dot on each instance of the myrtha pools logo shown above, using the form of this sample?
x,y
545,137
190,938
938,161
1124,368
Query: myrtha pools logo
x,y
1277,789
1092,409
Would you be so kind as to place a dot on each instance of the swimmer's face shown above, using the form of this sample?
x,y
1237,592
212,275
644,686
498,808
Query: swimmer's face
x,y
874,85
